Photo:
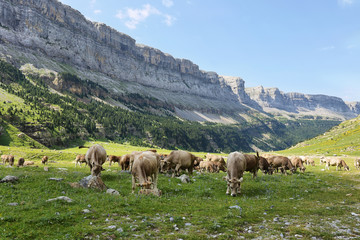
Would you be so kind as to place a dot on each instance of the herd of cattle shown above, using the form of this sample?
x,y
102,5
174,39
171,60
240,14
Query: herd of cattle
x,y
146,165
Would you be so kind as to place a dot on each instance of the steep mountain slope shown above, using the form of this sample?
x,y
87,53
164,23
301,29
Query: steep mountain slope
x,y
51,35
342,139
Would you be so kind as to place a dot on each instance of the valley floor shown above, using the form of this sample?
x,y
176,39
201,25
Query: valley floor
x,y
317,204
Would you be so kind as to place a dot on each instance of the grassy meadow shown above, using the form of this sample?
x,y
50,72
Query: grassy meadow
x,y
316,204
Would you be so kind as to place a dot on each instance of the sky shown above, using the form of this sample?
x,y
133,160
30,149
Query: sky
x,y
306,46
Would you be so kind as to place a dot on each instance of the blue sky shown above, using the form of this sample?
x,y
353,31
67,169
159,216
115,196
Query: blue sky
x,y
307,46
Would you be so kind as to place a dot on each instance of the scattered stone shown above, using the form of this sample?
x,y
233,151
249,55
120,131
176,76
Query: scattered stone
x,y
276,219
56,179
13,204
235,207
175,227
298,236
171,219
111,227
86,211
349,194
287,223
46,169
355,214
63,198
261,227
184,178
120,230
90,182
9,178
187,224
89,205
112,191
62,169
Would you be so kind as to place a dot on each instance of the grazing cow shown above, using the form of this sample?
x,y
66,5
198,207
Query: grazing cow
x,y
221,165
213,157
125,162
339,163
357,163
265,166
95,158
236,165
44,159
8,158
208,166
178,160
297,163
21,162
252,163
197,161
163,156
281,162
28,163
80,158
322,160
145,165
113,159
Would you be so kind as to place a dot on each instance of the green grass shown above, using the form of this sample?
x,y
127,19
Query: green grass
x,y
305,204
341,140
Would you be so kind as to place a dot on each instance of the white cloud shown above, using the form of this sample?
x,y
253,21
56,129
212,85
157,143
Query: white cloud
x,y
169,20
92,3
346,2
133,17
167,3
97,11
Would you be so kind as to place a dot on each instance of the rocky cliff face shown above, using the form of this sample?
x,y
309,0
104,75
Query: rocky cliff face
x,y
51,35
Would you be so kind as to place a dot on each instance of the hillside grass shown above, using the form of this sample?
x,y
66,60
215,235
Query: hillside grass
x,y
317,203
340,140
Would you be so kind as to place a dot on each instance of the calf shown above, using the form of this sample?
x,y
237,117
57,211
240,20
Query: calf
x,y
125,162
113,159
44,159
236,165
208,166
21,162
145,165
80,158
357,163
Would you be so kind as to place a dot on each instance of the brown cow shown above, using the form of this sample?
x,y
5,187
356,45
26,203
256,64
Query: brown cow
x,y
298,163
44,159
95,158
125,162
80,158
21,162
236,165
252,163
8,158
208,166
113,159
265,166
29,163
339,163
145,165
281,162
178,160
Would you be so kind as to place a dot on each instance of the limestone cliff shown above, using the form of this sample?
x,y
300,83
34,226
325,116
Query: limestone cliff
x,y
51,35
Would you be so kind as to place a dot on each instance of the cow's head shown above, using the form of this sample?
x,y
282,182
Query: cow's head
x,y
164,166
303,169
347,168
234,185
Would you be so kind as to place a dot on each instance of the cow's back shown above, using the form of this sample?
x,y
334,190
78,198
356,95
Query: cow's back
x,y
236,164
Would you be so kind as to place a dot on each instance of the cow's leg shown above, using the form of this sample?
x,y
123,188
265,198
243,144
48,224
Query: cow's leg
x,y
155,180
177,169
133,183
228,189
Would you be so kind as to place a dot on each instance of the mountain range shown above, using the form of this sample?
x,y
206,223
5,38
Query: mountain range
x,y
47,38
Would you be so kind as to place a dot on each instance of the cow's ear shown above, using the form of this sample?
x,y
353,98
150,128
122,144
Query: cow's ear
x,y
240,180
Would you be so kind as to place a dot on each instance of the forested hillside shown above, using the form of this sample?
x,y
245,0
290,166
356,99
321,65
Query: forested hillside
x,y
57,118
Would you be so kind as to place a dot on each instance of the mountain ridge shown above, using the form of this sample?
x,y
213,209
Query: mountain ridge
x,y
55,36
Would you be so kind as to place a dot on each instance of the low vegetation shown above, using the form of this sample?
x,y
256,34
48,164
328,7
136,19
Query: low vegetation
x,y
317,203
